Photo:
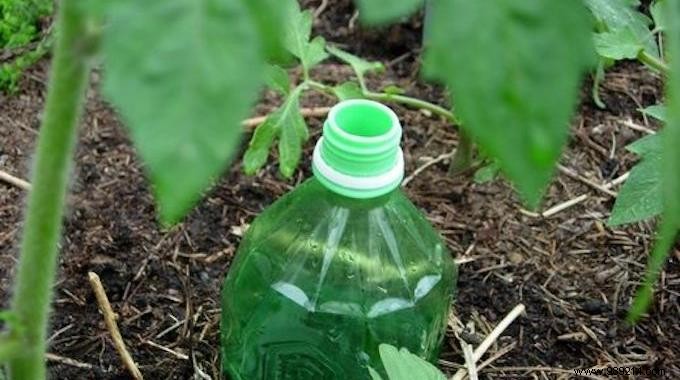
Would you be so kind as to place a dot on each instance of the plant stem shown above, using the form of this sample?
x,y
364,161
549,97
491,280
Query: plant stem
x,y
653,62
406,100
413,102
464,156
37,265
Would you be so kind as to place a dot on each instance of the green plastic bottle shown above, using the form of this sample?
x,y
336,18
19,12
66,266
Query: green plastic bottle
x,y
339,265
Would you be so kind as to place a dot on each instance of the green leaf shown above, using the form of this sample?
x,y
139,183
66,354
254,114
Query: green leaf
x,y
301,126
486,173
19,21
374,374
515,81
670,170
183,74
359,65
267,16
657,11
393,90
665,240
383,11
258,149
298,29
7,317
277,79
298,32
316,52
648,147
12,341
287,123
621,14
291,138
640,196
618,44
657,111
618,13
348,90
10,319
403,365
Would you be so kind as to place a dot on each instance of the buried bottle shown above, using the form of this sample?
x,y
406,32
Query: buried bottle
x,y
339,265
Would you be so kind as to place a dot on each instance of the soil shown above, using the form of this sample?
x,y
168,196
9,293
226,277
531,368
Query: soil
x,y
575,275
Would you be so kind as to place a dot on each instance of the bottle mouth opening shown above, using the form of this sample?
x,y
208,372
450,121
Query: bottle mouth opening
x,y
364,121
359,155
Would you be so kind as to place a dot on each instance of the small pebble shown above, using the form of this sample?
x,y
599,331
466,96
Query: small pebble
x,y
204,276
594,306
515,258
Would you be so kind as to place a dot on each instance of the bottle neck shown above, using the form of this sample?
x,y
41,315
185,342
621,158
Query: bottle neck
x,y
355,186
359,154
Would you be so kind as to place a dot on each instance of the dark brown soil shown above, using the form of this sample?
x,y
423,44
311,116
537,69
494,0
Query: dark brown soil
x,y
575,275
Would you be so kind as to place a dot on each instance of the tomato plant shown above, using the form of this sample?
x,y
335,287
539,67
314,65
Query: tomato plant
x,y
286,123
622,32
513,69
652,188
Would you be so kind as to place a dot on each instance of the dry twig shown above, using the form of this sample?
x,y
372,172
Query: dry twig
x,y
469,360
491,338
12,180
178,355
573,175
629,123
112,326
426,165
67,361
306,112
574,201
617,181
320,9
496,355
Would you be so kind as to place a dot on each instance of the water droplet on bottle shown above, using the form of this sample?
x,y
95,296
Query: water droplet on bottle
x,y
364,358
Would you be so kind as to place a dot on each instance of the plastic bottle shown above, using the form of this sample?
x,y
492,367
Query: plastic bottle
x,y
339,265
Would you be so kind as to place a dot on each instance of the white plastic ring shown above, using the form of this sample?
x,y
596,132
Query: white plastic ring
x,y
353,182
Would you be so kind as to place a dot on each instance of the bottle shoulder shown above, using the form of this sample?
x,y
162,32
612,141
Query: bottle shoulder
x,y
311,205
316,251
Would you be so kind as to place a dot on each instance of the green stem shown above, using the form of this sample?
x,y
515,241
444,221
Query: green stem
x,y
38,260
362,82
666,237
9,347
653,62
320,87
463,158
406,100
413,102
